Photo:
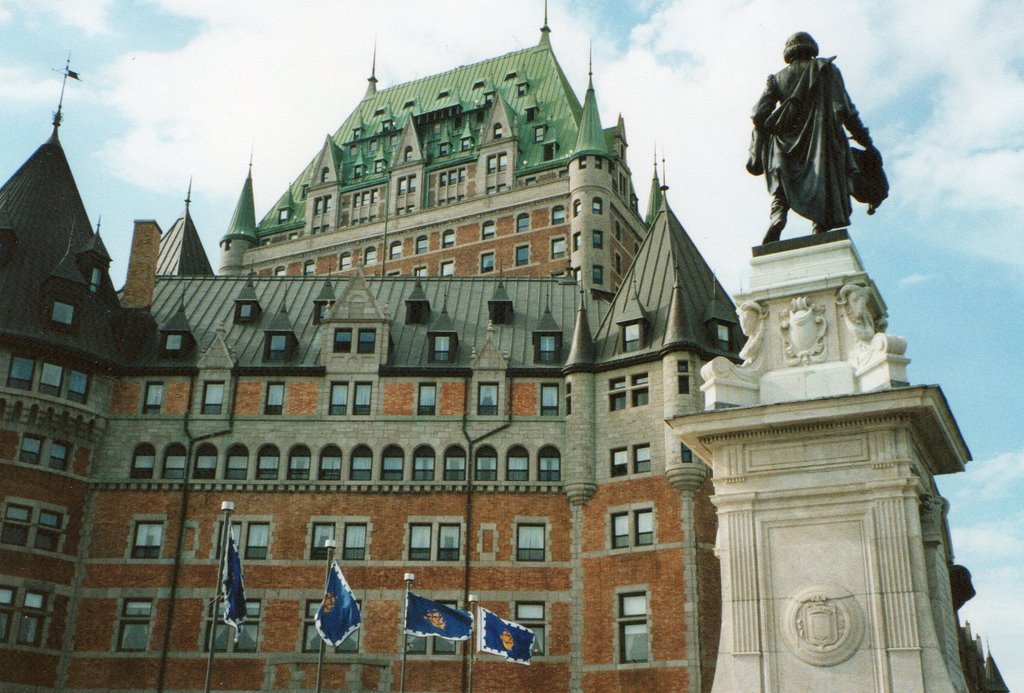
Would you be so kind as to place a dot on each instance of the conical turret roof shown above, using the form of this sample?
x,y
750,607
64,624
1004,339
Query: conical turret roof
x,y
243,221
581,352
181,251
591,137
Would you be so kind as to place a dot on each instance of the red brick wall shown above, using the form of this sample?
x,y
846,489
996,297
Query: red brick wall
x,y
326,264
524,399
249,398
125,397
81,462
452,401
398,399
302,397
8,444
177,397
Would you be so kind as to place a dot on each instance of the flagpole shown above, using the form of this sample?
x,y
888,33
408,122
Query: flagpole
x,y
329,544
409,577
227,507
473,636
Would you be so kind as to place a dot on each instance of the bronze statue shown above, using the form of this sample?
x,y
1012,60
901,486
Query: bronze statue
x,y
800,145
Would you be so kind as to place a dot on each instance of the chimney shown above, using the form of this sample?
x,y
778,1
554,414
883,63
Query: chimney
x,y
141,279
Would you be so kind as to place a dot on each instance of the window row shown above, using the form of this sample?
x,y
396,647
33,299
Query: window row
x,y
22,615
136,616
53,379
26,523
639,455
392,465
55,454
633,391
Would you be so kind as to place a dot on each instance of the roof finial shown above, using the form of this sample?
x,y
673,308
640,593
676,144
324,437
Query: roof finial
x,y
99,220
188,195
664,176
545,30
590,67
252,150
67,72
371,81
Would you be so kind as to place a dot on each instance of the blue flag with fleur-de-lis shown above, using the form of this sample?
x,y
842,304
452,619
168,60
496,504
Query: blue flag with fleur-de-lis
x,y
338,616
504,638
427,618
234,590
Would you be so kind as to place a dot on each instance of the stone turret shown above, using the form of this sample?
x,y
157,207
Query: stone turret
x,y
241,235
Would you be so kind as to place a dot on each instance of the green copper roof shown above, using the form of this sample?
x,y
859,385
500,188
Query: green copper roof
x,y
243,221
530,82
590,139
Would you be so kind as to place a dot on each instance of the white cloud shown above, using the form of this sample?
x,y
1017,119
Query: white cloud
x,y
915,279
90,16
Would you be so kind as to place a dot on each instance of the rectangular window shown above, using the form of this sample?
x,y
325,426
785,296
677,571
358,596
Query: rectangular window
x,y
277,347
20,375
633,646
547,348
631,337
361,405
419,542
354,546
257,540
426,402
616,394
448,542
549,400
58,455
441,350
275,399
486,465
31,447
522,255
685,453
683,376
487,399
322,531
643,527
597,238
339,399
531,615
568,399
530,542
642,458
62,313
148,536
576,241
486,263
6,612
48,528
557,247
620,530
30,626
330,465
17,524
638,385
206,464
237,466
367,340
343,340
133,635
50,379
311,638
518,466
454,465
447,268
213,397
223,639
154,398
620,462
597,274
422,466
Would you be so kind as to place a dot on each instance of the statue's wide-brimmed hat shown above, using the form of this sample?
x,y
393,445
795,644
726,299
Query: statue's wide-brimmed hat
x,y
800,44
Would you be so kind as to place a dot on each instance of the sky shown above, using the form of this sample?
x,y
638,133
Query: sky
x,y
180,90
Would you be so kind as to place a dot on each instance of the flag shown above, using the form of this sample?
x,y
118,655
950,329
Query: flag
x,y
427,618
73,75
504,638
234,590
338,616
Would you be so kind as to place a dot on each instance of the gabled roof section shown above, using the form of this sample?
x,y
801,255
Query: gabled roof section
x,y
409,138
667,263
243,221
181,251
280,321
547,322
179,321
447,97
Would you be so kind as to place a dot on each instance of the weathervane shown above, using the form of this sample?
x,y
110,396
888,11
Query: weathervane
x,y
67,72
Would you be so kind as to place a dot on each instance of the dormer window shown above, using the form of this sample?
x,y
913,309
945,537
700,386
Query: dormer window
x,y
279,346
410,103
367,343
489,97
444,94
320,311
522,89
95,277
357,133
357,170
174,343
282,215
531,114
407,154
547,347
324,174
444,149
387,124
378,166
62,314
499,131
632,336
479,84
467,143
417,312
723,334
443,347
246,312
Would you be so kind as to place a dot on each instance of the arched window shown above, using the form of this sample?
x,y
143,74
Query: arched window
x,y
395,250
309,268
330,463
267,462
237,463
392,464
421,244
298,462
486,464
598,205
143,461
370,255
448,238
577,206
550,464
455,464
345,261
487,230
362,464
206,462
423,463
522,222
517,464
174,461
407,154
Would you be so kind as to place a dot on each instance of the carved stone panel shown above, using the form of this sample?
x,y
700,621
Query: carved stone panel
x,y
822,624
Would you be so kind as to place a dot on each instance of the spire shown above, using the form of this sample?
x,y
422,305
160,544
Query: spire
x,y
581,352
545,31
188,195
677,328
243,221
591,136
371,81
654,199
57,116
181,251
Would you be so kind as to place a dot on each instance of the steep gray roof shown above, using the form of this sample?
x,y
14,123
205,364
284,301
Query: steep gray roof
x,y
210,302
667,257
181,251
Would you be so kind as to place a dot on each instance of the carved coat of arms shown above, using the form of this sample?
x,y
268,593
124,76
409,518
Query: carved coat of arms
x,y
803,332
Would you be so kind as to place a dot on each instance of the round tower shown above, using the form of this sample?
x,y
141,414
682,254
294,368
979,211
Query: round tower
x,y
241,234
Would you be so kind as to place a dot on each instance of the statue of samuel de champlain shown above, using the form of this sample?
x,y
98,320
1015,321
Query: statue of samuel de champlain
x,y
800,145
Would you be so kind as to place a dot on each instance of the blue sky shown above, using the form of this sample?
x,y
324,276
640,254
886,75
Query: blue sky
x,y
173,89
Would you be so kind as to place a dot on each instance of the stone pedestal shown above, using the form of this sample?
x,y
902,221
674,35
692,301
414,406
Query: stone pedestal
x,y
823,463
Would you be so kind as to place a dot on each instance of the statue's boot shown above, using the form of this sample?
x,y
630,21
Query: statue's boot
x,y
778,214
774,232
